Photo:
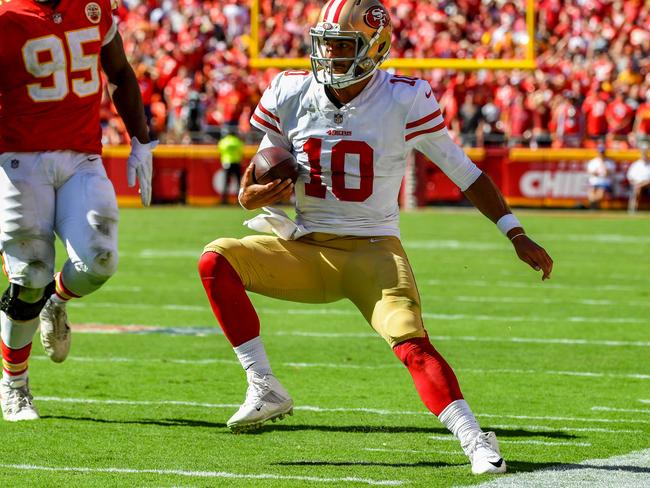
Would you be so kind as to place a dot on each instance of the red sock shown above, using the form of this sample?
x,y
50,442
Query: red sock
x,y
228,299
14,361
434,379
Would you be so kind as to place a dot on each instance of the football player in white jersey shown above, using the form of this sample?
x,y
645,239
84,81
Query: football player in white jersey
x,y
350,126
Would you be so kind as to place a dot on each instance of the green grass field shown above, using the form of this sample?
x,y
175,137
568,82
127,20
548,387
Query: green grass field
x,y
559,369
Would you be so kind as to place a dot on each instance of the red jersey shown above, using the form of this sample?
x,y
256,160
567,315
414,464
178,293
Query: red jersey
x,y
643,116
50,81
594,108
619,117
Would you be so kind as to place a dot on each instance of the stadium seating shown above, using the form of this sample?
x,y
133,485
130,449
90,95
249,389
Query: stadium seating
x,y
592,81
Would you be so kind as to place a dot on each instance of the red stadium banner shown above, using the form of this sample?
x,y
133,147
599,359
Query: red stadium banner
x,y
534,178
182,174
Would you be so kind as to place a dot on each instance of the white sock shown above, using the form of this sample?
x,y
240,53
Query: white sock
x,y
459,419
252,355
15,377
57,299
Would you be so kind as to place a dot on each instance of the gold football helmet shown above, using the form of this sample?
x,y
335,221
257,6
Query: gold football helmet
x,y
364,22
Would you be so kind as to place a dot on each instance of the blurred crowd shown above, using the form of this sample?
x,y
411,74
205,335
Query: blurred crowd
x,y
592,84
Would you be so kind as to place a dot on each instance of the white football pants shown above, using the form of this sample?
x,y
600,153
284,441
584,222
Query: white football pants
x,y
62,192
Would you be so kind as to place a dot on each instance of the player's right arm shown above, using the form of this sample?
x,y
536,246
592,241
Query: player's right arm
x,y
267,118
425,131
128,101
253,195
126,95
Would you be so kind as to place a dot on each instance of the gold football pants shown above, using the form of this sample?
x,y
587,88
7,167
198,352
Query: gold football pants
x,y
373,273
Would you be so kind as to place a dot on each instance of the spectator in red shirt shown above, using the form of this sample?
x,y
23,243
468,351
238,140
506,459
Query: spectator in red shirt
x,y
541,120
642,121
519,129
620,117
147,88
594,108
570,122
232,98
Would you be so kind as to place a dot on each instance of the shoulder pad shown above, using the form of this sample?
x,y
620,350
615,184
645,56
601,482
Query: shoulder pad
x,y
289,83
405,89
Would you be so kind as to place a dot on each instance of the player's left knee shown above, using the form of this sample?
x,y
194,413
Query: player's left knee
x,y
209,263
400,321
98,265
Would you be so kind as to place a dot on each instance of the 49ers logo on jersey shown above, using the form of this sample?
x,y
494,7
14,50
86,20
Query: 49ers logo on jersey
x,y
93,12
376,17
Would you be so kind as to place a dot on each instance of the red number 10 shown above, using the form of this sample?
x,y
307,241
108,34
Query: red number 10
x,y
316,188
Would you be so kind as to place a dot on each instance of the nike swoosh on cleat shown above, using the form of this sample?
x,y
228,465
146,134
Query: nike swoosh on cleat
x,y
497,464
93,159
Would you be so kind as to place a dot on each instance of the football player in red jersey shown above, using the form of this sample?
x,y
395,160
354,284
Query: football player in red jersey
x,y
350,126
52,180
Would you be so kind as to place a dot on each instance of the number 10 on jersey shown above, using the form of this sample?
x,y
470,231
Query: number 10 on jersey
x,y
316,188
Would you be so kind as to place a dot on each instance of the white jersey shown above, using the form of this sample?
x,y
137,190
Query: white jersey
x,y
638,172
354,156
600,171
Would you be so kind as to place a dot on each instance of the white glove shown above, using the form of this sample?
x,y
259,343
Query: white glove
x,y
140,164
277,222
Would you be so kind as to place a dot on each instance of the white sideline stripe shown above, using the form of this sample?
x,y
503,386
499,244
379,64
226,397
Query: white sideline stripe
x,y
413,451
531,442
110,287
203,474
546,301
136,402
523,340
530,284
546,428
335,311
629,470
455,245
532,318
643,400
311,408
629,410
201,362
99,328
148,360
567,419
139,306
607,238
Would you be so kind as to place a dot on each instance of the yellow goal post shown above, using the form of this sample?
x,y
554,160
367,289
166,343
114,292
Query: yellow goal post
x,y
528,63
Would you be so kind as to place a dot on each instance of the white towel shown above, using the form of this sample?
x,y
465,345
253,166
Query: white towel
x,y
275,221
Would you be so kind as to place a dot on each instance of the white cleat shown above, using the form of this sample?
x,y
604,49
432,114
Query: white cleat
x,y
55,331
17,401
266,400
483,452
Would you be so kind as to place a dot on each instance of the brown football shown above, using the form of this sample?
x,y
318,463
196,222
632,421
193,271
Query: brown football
x,y
274,163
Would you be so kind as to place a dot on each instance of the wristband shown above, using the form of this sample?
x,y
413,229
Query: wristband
x,y
517,235
241,192
507,223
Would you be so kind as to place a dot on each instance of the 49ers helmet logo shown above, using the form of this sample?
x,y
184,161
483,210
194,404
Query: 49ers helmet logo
x,y
376,17
93,12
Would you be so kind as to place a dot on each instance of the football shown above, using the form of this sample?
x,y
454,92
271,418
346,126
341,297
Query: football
x,y
274,163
